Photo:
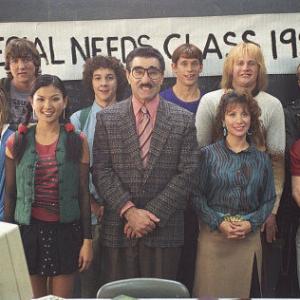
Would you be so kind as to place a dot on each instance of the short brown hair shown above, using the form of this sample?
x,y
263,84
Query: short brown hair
x,y
22,48
235,53
231,97
105,62
187,51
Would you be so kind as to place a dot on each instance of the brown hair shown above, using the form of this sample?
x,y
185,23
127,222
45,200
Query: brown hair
x,y
105,62
187,51
249,103
235,53
3,109
22,48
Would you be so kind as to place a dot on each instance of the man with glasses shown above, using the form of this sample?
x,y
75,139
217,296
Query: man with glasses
x,y
22,63
145,155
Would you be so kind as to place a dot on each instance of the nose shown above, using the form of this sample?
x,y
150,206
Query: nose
x,y
21,63
146,77
47,104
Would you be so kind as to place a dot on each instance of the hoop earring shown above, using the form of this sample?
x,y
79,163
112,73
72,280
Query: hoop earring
x,y
224,131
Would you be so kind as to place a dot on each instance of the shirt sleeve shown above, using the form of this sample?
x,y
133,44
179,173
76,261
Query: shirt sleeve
x,y
275,142
295,158
266,197
75,120
9,146
199,198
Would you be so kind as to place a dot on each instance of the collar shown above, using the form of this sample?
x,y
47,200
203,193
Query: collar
x,y
150,105
250,149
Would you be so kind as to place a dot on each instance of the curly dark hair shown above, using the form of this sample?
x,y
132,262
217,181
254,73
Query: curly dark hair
x,y
105,62
22,48
230,98
73,141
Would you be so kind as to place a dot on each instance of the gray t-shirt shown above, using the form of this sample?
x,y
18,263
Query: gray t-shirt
x,y
17,106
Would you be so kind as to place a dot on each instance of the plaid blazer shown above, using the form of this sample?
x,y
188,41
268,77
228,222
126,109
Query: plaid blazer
x,y
161,188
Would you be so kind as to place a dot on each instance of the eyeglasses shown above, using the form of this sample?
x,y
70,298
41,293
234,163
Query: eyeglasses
x,y
152,72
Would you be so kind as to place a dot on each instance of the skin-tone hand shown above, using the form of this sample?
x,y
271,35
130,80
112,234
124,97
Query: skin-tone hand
x,y
235,230
85,255
140,221
128,231
96,209
270,228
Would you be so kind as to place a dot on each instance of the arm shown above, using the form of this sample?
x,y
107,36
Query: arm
x,y
267,198
275,143
295,171
296,189
10,196
107,183
10,190
176,192
75,120
199,199
205,121
86,254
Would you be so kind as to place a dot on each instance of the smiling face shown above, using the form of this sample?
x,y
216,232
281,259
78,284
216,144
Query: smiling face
x,y
104,84
245,72
145,88
48,104
187,70
22,70
237,120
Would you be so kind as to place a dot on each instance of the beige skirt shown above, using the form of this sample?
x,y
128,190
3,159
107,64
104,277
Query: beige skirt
x,y
223,266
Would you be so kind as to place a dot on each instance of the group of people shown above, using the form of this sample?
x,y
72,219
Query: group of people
x,y
175,184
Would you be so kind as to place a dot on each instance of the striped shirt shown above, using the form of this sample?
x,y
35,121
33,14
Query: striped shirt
x,y
232,183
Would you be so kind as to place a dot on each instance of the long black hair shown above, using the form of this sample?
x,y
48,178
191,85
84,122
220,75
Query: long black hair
x,y
73,141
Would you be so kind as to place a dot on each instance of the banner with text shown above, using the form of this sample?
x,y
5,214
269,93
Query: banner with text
x,y
64,46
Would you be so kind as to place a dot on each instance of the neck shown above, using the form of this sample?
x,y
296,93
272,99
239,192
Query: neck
x,y
243,89
186,93
103,103
236,144
22,86
46,133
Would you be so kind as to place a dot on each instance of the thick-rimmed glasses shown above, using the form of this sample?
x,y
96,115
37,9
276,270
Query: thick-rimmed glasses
x,y
152,72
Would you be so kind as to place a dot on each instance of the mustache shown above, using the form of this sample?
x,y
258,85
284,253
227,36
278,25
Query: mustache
x,y
146,85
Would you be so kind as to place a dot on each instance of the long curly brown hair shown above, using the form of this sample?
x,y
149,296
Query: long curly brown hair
x,y
230,99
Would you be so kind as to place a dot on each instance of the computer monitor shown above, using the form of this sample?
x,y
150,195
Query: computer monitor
x,y
14,276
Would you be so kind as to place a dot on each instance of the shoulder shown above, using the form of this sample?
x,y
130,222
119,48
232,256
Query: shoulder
x,y
5,84
266,99
176,112
75,118
167,93
115,109
213,96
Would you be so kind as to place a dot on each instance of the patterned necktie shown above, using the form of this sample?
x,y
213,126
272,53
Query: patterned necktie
x,y
144,132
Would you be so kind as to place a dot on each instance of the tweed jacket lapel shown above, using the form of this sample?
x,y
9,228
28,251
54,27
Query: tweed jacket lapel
x,y
129,135
160,134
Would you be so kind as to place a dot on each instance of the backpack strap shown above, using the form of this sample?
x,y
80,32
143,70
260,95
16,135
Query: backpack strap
x,y
83,116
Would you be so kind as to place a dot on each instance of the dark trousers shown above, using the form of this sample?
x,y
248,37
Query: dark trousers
x,y
271,260
139,261
186,270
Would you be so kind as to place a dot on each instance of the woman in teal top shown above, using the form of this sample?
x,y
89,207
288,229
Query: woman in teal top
x,y
234,196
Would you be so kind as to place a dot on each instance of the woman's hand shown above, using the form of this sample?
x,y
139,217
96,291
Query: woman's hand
x,y
235,230
85,255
